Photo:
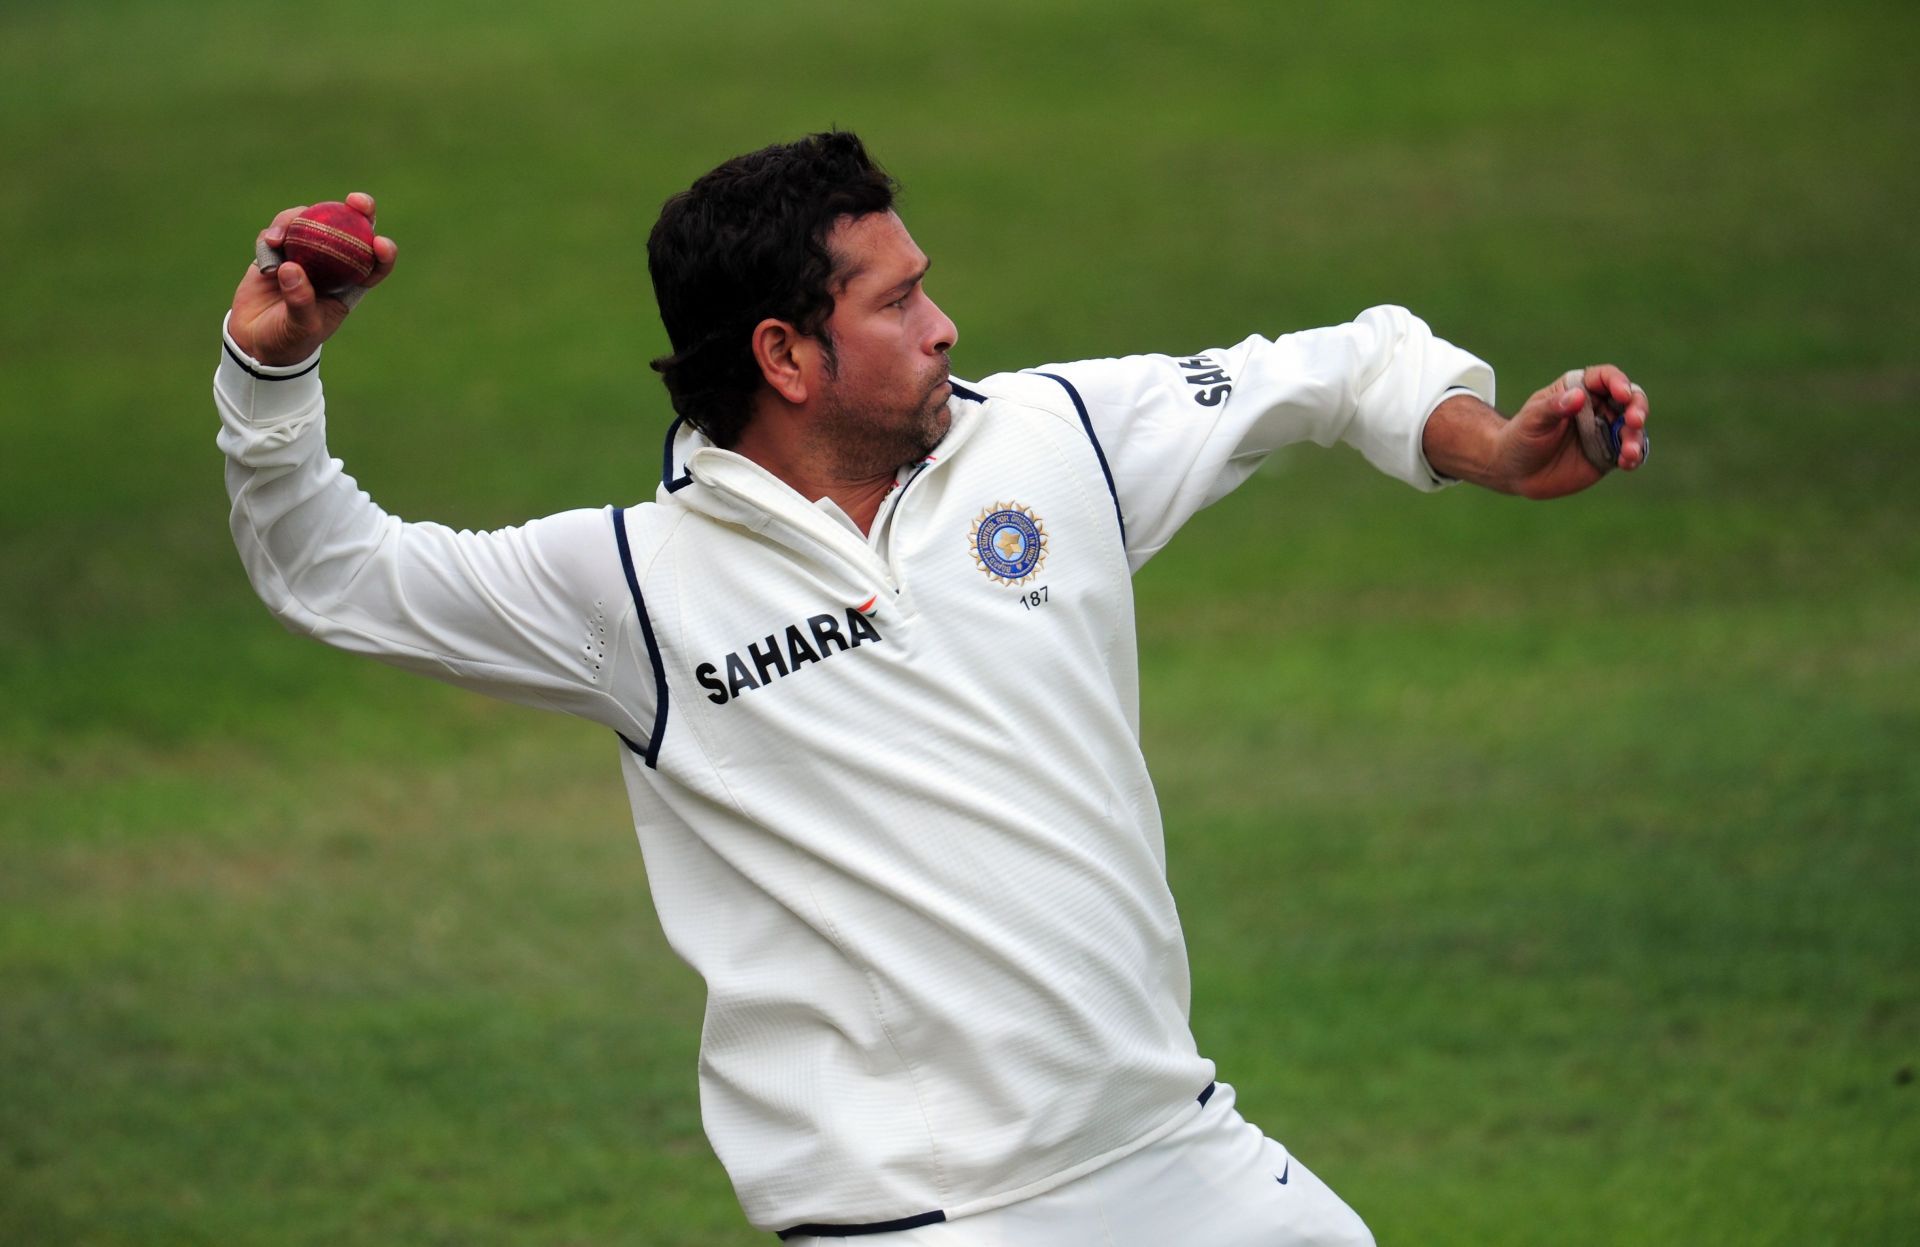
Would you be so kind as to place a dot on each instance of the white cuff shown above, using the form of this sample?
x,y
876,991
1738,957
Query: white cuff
x,y
1439,477
266,394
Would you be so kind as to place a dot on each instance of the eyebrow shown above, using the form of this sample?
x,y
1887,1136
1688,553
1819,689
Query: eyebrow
x,y
901,287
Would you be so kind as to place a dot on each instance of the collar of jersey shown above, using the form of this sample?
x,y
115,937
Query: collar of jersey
x,y
731,487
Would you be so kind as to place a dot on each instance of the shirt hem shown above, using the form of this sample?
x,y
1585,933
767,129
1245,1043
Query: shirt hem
x,y
1191,1109
1187,1112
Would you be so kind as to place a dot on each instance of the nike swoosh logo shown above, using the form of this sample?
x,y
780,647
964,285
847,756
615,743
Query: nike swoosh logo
x,y
1282,1179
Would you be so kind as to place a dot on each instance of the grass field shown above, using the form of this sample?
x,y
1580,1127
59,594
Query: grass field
x,y
1550,871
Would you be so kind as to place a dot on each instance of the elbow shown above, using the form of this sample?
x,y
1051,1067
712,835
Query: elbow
x,y
287,610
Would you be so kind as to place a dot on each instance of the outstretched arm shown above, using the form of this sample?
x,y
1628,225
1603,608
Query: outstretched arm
x,y
1181,432
1540,452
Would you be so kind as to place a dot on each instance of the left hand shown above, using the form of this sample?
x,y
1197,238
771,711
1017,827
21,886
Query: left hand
x,y
1538,453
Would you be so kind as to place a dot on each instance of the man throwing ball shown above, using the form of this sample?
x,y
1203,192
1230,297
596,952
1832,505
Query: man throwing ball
x,y
868,660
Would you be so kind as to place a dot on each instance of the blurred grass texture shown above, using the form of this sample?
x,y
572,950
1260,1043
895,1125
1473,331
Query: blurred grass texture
x,y
1550,871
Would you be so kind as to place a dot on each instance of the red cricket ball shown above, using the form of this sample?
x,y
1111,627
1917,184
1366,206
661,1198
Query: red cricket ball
x,y
333,243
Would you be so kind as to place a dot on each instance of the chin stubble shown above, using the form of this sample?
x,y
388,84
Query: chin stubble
x,y
866,442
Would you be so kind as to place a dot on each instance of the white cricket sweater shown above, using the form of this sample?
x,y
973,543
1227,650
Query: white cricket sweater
x,y
889,790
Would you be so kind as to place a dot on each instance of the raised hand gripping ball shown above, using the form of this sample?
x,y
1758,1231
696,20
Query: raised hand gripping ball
x,y
333,243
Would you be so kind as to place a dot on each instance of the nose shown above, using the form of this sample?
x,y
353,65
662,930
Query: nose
x,y
944,332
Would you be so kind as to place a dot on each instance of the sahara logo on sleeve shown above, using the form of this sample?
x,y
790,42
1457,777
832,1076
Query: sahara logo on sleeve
x,y
815,639
1008,542
1211,379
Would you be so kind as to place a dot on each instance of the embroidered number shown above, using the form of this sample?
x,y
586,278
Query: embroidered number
x,y
1034,597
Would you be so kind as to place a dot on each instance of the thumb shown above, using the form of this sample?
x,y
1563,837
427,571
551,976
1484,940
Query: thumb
x,y
302,312
1571,394
1552,407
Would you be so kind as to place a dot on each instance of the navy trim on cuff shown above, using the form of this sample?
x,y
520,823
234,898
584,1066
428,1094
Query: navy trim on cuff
x,y
251,371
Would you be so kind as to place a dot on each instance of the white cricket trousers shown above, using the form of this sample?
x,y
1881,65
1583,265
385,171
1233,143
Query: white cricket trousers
x,y
1216,1181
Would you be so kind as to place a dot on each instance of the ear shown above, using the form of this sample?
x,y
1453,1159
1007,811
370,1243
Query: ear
x,y
784,355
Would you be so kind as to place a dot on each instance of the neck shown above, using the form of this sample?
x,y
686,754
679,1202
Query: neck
x,y
779,446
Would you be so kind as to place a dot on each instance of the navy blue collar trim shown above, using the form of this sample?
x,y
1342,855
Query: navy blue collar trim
x,y
673,483
650,754
961,391
251,371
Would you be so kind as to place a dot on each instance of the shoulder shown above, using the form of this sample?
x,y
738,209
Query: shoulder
x,y
640,532
1034,394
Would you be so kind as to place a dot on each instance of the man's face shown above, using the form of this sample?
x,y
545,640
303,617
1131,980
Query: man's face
x,y
884,400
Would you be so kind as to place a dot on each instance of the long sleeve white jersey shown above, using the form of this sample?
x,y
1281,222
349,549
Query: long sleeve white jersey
x,y
889,787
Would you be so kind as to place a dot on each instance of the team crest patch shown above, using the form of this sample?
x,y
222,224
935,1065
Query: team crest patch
x,y
1008,542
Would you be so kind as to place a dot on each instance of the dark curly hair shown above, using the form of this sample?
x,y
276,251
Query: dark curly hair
x,y
746,242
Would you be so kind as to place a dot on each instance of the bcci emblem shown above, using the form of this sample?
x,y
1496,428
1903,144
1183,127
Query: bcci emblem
x,y
1008,543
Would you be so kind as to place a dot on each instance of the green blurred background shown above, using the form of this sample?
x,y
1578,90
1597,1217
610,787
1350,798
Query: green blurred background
x,y
1550,871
